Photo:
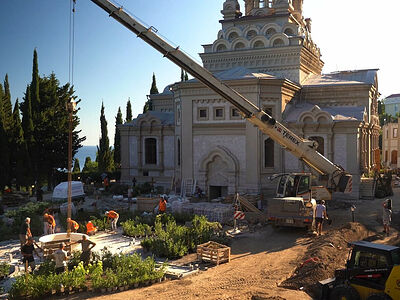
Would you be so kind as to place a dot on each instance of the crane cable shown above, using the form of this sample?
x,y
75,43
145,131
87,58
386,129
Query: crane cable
x,y
71,41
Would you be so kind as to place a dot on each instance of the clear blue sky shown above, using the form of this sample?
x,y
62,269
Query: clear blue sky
x,y
111,64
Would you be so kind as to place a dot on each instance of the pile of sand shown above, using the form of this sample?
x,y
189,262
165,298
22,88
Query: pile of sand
x,y
326,254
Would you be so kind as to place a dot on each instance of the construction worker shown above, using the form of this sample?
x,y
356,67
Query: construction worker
x,y
162,205
25,231
87,246
50,222
60,258
90,228
27,252
73,225
113,216
320,215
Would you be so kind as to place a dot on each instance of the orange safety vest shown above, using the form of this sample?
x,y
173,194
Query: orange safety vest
x,y
112,214
162,206
90,227
74,224
51,220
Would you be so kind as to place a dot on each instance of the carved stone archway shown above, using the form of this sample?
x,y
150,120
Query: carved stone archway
x,y
219,168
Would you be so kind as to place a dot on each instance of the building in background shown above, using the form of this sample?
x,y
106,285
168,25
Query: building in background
x,y
392,105
390,145
268,56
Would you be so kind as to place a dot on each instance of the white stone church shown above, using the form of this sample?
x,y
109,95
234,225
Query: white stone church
x,y
267,54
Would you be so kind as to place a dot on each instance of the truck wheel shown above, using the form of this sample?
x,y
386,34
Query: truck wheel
x,y
378,297
344,292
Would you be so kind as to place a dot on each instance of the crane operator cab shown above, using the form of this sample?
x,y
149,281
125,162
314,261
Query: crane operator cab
x,y
294,185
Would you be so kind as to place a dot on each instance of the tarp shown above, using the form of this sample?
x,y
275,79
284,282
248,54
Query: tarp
x,y
61,191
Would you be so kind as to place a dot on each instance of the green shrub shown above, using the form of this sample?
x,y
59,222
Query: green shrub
x,y
171,240
46,268
4,269
131,228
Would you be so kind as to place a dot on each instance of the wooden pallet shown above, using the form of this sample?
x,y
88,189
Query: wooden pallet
x,y
214,253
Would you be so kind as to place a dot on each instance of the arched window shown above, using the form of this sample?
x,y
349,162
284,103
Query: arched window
x,y
394,157
232,36
221,48
289,32
150,151
320,141
278,43
259,44
239,46
269,153
251,34
179,152
270,32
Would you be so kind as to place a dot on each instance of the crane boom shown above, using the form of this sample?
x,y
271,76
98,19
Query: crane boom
x,y
303,149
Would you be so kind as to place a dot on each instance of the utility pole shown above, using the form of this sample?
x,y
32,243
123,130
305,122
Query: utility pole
x,y
71,107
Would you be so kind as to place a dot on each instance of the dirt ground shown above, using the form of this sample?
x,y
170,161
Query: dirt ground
x,y
276,264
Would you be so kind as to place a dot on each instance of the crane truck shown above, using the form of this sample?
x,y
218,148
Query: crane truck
x,y
303,149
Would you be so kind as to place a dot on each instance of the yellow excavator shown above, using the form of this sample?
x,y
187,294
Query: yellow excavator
x,y
372,273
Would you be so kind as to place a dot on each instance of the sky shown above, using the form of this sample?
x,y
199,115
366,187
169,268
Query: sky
x,y
111,65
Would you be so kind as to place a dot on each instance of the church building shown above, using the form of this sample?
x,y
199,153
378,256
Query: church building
x,y
267,54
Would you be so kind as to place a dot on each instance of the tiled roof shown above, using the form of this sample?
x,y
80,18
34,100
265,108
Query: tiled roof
x,y
238,73
165,118
343,78
338,113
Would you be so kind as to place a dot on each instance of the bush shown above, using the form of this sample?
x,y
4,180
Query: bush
x,y
172,241
4,269
32,210
118,270
131,228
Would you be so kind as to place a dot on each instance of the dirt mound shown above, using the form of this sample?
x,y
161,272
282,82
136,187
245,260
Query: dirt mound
x,y
326,254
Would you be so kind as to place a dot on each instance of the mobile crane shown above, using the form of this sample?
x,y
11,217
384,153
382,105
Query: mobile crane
x,y
305,150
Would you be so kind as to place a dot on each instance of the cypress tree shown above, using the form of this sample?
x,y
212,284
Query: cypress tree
x,y
19,155
128,111
104,153
27,122
182,75
4,158
1,102
117,139
77,167
186,76
35,99
7,107
154,89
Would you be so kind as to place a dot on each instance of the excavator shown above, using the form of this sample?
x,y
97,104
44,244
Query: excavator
x,y
303,149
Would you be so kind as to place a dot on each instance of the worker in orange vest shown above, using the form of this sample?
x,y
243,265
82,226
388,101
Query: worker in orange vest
x,y
50,222
90,228
162,205
113,216
73,225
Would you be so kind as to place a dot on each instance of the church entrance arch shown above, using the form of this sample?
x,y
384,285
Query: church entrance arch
x,y
218,172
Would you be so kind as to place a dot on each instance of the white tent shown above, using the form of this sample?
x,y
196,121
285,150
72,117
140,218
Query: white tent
x,y
60,192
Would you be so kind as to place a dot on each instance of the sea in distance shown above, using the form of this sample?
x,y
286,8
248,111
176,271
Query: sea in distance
x,y
84,152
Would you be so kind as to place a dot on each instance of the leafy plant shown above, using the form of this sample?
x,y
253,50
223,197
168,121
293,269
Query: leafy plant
x,y
4,269
46,268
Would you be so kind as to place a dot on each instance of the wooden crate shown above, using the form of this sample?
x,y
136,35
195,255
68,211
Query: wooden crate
x,y
214,253
147,204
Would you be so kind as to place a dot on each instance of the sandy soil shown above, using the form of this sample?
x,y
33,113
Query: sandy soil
x,y
274,264
269,264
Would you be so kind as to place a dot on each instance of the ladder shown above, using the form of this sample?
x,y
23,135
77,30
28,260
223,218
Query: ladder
x,y
188,187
